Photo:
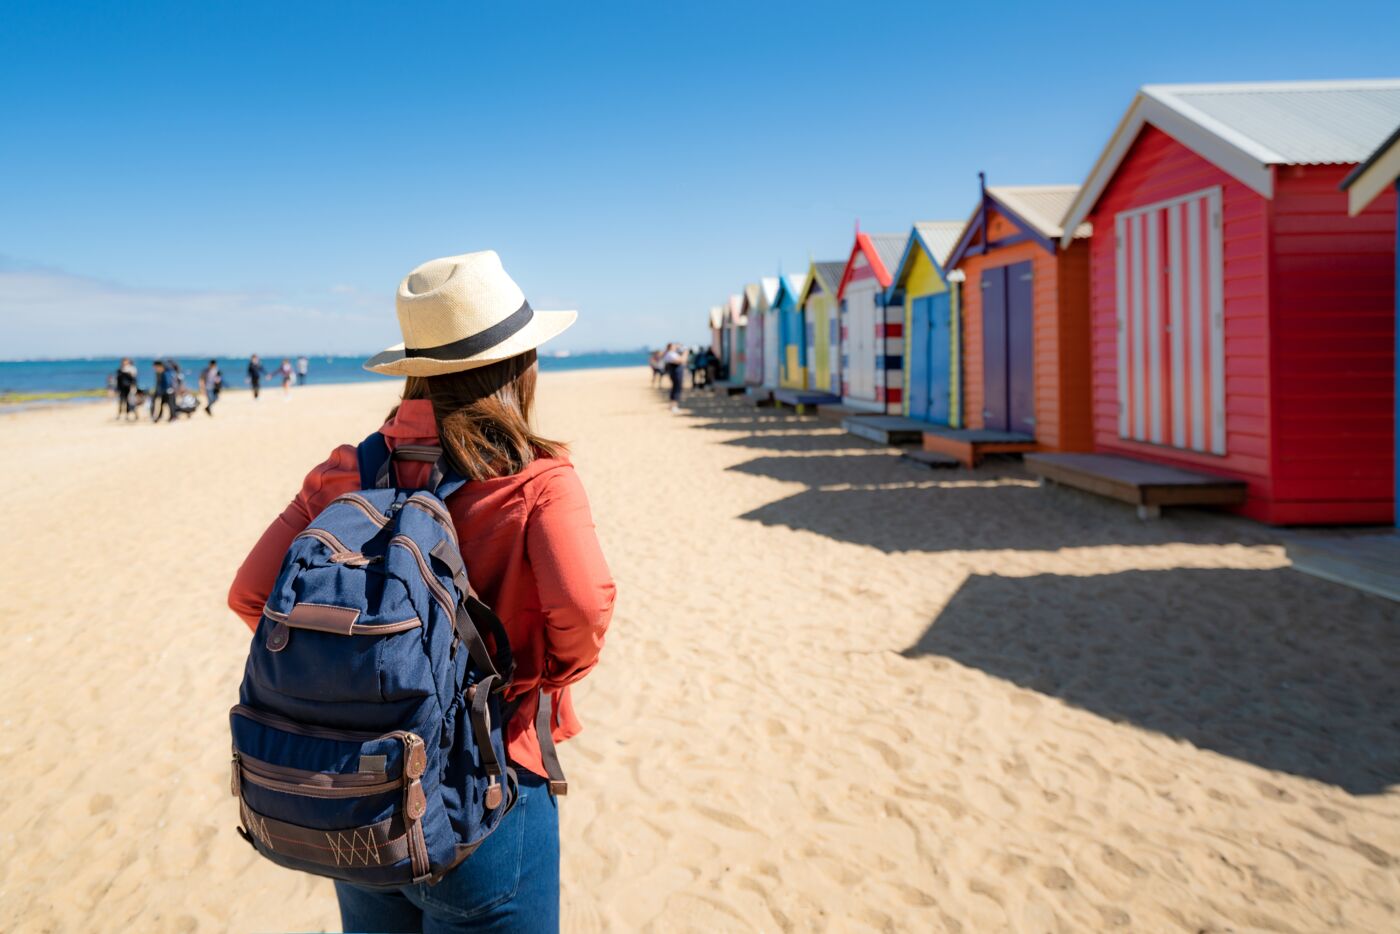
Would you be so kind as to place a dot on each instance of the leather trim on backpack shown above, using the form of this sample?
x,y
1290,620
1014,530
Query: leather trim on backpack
x,y
323,617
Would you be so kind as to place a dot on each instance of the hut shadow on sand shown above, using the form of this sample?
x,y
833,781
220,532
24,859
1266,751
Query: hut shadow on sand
x,y
1220,658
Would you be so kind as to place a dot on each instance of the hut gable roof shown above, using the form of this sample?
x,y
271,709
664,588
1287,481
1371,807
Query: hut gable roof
x,y
881,251
826,273
1248,128
790,287
1034,209
769,286
936,238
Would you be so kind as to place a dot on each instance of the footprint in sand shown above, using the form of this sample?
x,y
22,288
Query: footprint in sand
x,y
1119,862
1274,792
99,803
1113,917
1055,878
1374,854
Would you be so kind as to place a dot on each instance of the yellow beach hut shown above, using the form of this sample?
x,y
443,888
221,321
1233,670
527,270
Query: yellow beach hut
x,y
817,304
932,371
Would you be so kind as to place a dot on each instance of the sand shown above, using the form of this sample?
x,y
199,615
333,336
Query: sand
x,y
841,692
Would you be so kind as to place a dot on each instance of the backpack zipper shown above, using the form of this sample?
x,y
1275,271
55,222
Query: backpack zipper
x,y
444,598
336,546
365,506
434,508
311,784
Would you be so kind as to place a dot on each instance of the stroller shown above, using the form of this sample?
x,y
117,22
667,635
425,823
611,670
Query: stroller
x,y
186,403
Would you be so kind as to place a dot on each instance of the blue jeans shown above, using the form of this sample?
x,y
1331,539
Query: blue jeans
x,y
510,884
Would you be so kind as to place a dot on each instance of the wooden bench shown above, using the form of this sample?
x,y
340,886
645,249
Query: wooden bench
x,y
970,445
884,429
803,401
1146,485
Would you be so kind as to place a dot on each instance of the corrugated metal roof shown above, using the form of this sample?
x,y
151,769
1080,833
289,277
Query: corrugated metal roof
x,y
1291,122
830,272
889,247
940,237
1041,206
1245,129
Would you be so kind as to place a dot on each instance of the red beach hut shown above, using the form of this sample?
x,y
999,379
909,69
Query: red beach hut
x,y
1241,322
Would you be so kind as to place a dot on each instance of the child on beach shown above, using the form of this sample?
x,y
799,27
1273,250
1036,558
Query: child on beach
x,y
285,371
523,527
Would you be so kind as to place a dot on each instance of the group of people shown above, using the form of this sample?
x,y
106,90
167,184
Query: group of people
x,y
672,363
256,373
172,395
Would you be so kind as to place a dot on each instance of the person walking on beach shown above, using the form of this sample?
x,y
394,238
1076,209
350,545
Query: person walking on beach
x,y
523,528
163,399
285,371
211,382
303,365
657,369
255,373
126,388
673,360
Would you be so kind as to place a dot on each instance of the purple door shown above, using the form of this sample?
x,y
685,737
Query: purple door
x,y
995,415
1020,349
1008,349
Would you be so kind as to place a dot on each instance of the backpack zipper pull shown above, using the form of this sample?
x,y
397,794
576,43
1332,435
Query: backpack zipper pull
x,y
233,777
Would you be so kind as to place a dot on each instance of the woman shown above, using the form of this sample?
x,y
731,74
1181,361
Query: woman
x,y
211,383
528,541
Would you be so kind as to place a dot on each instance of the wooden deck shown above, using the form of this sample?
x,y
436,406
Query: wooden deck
x,y
1368,561
970,445
727,388
1146,485
803,401
885,429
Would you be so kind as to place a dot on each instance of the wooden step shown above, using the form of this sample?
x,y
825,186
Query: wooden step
x,y
970,445
1144,484
803,401
885,429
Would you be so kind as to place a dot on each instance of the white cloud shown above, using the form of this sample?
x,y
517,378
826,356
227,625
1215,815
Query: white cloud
x,y
52,313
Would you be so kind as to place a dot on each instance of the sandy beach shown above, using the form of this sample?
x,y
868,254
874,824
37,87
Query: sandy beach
x,y
841,692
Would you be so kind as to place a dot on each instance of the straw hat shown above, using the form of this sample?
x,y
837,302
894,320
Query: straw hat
x,y
462,312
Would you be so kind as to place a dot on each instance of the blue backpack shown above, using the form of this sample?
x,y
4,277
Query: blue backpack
x,y
367,741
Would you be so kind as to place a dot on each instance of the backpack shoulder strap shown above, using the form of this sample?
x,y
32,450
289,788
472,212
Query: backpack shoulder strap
x,y
373,455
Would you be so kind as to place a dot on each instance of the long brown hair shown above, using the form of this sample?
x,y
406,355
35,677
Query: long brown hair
x,y
483,416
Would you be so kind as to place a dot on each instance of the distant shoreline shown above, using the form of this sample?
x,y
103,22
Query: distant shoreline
x,y
29,383
12,403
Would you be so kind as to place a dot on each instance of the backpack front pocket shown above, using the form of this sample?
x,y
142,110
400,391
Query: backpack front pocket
x,y
349,803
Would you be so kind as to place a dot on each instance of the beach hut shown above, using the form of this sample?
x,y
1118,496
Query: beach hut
x,y
1024,326
872,332
1243,320
734,338
716,317
792,337
772,341
932,377
753,335
817,305
1379,177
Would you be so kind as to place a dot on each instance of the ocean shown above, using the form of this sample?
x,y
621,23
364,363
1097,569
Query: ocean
x,y
37,380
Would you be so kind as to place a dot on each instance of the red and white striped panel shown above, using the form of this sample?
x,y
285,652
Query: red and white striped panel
x,y
1171,323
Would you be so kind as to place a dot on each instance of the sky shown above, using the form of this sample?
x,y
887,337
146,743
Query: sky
x,y
232,177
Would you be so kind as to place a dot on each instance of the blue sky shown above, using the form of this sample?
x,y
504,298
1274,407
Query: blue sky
x,y
230,177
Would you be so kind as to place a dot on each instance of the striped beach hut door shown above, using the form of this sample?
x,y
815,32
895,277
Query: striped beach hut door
x,y
1171,323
